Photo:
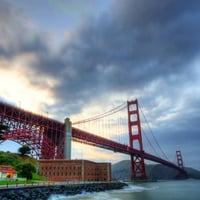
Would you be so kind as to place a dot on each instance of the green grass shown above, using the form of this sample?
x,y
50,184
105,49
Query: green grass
x,y
14,182
37,177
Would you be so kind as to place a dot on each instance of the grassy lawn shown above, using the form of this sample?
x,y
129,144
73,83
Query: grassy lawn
x,y
15,182
36,179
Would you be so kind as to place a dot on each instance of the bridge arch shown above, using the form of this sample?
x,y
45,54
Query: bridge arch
x,y
24,138
44,136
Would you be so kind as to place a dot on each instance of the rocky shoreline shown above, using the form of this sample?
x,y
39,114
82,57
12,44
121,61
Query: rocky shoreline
x,y
44,192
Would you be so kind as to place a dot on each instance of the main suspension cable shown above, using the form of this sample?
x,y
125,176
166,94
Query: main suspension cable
x,y
107,113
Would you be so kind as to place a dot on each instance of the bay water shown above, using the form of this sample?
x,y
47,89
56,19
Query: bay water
x,y
160,190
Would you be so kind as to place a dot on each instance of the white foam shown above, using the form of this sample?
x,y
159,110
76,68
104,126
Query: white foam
x,y
102,195
134,188
57,197
86,196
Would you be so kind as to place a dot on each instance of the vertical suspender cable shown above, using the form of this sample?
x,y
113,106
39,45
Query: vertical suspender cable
x,y
153,134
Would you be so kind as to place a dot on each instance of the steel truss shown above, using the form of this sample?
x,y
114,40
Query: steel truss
x,y
44,136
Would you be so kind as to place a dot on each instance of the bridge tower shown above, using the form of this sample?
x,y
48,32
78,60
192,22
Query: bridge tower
x,y
138,171
68,138
179,159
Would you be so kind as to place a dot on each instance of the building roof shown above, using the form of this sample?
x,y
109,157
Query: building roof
x,y
69,161
7,169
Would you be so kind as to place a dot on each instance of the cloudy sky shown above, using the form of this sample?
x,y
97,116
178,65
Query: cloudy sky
x,y
80,57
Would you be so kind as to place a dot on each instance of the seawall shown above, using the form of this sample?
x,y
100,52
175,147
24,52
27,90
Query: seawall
x,y
44,192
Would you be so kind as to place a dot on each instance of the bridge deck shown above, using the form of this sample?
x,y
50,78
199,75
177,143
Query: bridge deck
x,y
88,138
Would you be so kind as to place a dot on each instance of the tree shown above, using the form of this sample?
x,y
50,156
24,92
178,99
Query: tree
x,y
26,170
3,129
24,150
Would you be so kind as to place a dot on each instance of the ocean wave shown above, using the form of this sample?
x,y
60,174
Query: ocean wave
x,y
135,188
66,197
103,195
85,196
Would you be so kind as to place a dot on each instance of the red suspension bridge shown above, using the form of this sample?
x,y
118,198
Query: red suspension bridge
x,y
51,139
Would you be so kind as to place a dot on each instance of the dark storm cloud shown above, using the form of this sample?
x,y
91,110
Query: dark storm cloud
x,y
127,49
178,132
133,47
17,36
143,13
135,44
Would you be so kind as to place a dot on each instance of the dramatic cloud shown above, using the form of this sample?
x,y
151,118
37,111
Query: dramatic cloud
x,y
132,49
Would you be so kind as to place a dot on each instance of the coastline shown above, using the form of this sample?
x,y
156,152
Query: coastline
x,y
44,192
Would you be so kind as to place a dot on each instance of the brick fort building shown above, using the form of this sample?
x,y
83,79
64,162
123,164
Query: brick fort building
x,y
74,170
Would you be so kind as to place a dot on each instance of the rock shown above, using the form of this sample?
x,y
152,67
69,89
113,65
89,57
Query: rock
x,y
44,192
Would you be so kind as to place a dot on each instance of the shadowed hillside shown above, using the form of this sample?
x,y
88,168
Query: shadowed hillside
x,y
121,171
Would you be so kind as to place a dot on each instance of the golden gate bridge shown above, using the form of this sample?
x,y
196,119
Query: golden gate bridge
x,y
118,130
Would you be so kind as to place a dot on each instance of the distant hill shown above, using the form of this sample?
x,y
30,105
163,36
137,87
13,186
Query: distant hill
x,y
193,173
121,171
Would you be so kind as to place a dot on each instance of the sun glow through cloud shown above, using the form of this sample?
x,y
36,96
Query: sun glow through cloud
x,y
16,86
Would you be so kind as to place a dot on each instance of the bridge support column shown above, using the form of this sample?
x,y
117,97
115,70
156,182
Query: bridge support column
x,y
179,159
184,174
138,171
68,138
